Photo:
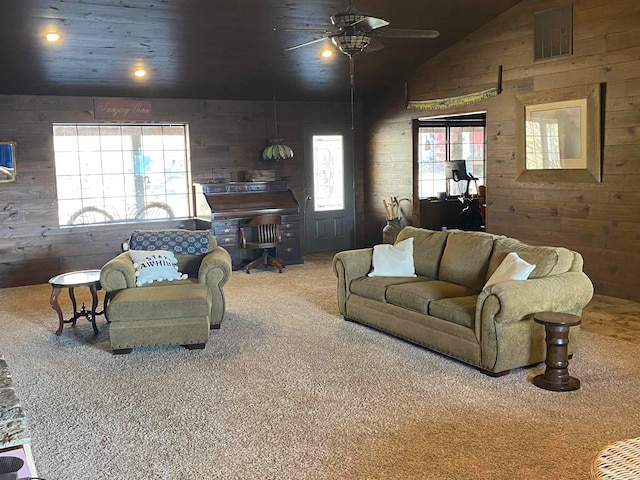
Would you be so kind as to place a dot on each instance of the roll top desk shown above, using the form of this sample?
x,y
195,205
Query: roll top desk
x,y
229,204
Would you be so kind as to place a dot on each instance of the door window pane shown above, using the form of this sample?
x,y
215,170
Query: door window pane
x,y
328,172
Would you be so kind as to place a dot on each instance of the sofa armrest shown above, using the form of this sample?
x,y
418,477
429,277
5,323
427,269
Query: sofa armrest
x,y
215,272
215,269
118,273
348,266
514,300
504,326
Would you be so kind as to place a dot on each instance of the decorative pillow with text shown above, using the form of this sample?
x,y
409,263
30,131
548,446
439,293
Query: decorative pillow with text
x,y
155,266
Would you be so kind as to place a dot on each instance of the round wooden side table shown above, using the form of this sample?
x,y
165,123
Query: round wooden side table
x,y
71,280
556,376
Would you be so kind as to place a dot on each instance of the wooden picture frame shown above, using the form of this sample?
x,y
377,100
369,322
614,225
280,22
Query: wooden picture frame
x,y
8,162
558,135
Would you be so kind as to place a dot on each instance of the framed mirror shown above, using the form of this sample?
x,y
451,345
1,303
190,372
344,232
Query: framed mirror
x,y
7,162
558,135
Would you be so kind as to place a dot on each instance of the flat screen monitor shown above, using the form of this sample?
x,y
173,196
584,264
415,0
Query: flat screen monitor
x,y
456,170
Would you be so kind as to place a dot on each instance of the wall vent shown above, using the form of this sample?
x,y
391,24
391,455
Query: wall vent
x,y
553,33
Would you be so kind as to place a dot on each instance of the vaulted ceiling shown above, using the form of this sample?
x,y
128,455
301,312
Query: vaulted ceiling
x,y
222,49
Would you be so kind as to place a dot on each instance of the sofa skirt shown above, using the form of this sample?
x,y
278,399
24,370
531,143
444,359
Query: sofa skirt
x,y
433,333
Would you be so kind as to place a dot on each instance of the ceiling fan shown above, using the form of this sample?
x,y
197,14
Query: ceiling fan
x,y
357,32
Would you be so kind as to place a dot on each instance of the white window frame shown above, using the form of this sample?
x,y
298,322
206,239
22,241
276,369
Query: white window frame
x,y
431,171
121,172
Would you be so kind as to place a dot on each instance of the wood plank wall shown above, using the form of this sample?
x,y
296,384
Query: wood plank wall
x,y
225,136
601,221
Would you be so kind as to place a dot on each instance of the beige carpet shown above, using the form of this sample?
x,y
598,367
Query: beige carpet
x,y
288,390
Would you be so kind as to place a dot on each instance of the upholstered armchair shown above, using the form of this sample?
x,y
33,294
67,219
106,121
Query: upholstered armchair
x,y
165,289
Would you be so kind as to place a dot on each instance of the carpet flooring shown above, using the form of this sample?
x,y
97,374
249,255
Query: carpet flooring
x,y
287,389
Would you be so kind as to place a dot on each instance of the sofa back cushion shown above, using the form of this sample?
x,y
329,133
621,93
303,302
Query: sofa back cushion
x,y
548,260
428,246
465,259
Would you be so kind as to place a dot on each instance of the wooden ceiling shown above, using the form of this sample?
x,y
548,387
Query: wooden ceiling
x,y
220,49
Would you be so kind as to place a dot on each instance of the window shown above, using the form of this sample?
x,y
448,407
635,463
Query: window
x,y
444,139
117,173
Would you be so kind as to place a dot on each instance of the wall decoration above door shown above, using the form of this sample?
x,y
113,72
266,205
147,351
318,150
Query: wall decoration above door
x,y
459,100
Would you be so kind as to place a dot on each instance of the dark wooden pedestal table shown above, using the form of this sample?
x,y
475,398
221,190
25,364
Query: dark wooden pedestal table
x,y
71,280
556,376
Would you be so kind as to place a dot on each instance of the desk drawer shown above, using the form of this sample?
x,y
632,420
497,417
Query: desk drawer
x,y
228,240
225,227
289,235
290,222
226,232
289,251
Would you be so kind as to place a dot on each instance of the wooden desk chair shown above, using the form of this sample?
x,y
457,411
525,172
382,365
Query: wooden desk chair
x,y
262,232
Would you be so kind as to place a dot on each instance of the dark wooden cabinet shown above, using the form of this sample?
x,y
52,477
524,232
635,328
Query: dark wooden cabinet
x,y
436,215
230,204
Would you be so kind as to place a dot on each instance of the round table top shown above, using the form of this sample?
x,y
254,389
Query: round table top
x,y
618,461
557,318
79,278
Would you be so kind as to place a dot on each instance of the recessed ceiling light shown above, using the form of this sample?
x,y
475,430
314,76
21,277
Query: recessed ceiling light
x,y
52,36
326,53
140,72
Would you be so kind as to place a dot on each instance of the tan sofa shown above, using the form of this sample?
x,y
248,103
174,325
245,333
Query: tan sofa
x,y
445,307
177,312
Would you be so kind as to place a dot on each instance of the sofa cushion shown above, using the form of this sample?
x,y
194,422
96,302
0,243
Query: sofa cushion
x,y
511,268
416,296
427,249
466,258
460,310
393,260
375,288
548,260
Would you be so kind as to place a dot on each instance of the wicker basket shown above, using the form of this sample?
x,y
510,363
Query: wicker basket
x,y
618,461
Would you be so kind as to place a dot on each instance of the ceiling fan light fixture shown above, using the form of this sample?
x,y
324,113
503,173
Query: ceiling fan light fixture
x,y
344,20
351,44
52,37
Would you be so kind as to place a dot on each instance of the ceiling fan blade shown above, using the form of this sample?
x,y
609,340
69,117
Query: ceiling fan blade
x,y
407,33
367,24
311,42
374,46
322,31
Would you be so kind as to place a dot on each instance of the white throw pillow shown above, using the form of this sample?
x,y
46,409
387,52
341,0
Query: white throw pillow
x,y
155,266
511,268
393,260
